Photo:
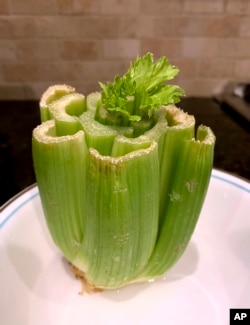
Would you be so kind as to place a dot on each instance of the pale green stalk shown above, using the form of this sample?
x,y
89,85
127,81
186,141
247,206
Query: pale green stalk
x,y
52,94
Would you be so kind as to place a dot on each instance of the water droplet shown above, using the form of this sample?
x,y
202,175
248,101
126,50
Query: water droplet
x,y
116,259
191,185
174,196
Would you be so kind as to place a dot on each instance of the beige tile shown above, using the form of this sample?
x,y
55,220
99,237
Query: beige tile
x,y
197,26
103,70
89,27
34,7
169,47
188,67
23,91
48,26
223,26
201,6
79,50
6,29
82,42
4,7
235,48
202,87
23,26
7,50
28,26
196,47
92,72
12,91
10,27
34,71
84,86
88,87
144,26
244,28
2,80
37,49
19,72
215,68
121,48
120,7
179,26
78,6
127,27
161,7
37,89
239,7
74,71
242,69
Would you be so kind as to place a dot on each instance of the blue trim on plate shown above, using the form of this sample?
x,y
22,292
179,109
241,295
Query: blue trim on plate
x,y
232,183
16,209
220,178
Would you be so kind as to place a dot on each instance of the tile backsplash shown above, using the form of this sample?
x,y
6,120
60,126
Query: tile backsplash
x,y
81,42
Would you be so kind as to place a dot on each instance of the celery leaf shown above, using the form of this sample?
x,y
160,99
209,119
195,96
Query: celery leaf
x,y
142,89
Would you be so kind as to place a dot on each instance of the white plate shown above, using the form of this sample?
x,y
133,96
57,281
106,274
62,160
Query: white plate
x,y
37,286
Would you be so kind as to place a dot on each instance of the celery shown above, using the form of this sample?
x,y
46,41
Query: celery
x,y
121,174
52,93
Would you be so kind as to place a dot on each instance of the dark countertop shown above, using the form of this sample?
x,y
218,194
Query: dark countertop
x,y
18,118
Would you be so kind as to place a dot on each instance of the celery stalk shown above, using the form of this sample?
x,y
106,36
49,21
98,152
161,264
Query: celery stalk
x,y
122,216
183,202
61,166
51,94
121,174
100,211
